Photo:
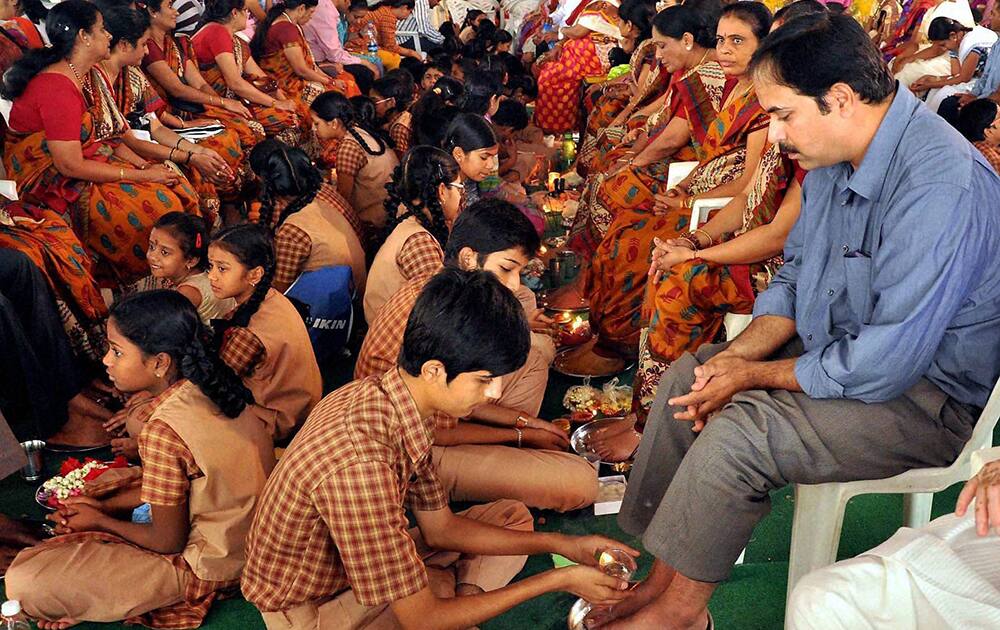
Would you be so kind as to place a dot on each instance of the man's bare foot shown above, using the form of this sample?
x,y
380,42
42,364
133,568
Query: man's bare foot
x,y
618,443
59,624
649,618
84,426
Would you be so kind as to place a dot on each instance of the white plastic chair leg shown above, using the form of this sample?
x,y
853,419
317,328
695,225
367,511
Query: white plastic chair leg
x,y
917,509
816,525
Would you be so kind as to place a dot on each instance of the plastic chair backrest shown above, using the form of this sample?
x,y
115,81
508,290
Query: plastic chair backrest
x,y
329,294
678,171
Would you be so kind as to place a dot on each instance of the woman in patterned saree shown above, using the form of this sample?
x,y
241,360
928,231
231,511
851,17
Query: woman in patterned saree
x,y
172,69
635,169
225,62
207,171
696,279
281,50
618,105
65,152
583,53
728,150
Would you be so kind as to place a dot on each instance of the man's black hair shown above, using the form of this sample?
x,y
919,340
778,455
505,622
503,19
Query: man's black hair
x,y
812,53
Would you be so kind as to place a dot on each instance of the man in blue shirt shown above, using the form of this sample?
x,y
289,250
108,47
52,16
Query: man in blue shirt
x,y
873,348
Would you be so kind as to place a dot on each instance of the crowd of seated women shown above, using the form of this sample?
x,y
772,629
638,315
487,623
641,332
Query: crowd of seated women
x,y
171,187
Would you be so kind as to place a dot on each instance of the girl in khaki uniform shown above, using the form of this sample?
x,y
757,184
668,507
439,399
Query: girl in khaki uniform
x,y
308,234
264,340
205,456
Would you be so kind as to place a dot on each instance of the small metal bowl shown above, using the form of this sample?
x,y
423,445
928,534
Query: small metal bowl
x,y
578,615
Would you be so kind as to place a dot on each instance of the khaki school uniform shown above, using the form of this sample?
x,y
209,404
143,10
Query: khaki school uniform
x,y
329,547
539,478
192,454
275,358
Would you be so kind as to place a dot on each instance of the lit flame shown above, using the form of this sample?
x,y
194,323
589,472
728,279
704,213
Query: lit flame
x,y
542,250
577,322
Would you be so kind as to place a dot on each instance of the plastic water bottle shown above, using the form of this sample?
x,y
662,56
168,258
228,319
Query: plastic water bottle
x,y
13,618
372,39
568,153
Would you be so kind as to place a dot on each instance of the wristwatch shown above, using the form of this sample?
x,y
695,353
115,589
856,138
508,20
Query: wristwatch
x,y
521,422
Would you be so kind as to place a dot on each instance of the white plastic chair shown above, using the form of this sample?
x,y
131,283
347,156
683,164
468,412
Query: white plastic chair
x,y
819,508
678,171
402,35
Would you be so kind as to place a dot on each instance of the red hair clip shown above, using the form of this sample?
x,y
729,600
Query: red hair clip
x,y
197,240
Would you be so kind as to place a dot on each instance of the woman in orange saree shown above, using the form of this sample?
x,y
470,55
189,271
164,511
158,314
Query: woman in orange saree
x,y
65,152
685,49
208,172
281,50
584,53
698,278
225,62
50,243
172,69
729,149
629,99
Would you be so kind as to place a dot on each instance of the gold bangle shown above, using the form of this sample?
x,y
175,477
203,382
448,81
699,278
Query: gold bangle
x,y
121,173
707,235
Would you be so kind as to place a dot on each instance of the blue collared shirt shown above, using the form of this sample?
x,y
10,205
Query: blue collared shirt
x,y
892,272
989,80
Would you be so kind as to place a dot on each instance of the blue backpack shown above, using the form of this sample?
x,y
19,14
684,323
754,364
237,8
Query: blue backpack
x,y
327,293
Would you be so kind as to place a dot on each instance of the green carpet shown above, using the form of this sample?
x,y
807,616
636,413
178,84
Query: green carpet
x,y
753,599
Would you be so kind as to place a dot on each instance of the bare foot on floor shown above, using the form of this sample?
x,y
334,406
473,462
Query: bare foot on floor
x,y
59,624
617,442
85,424
649,619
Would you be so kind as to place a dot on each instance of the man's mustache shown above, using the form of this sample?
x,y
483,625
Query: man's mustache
x,y
787,148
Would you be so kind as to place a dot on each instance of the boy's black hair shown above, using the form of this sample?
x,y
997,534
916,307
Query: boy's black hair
x,y
512,114
489,226
469,322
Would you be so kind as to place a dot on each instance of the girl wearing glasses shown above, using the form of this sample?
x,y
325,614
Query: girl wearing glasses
x,y
425,197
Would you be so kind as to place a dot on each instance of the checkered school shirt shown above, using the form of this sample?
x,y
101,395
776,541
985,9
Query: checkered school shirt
x,y
292,246
168,467
380,348
332,514
329,196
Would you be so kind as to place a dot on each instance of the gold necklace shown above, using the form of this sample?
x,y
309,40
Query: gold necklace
x,y
83,86
695,67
